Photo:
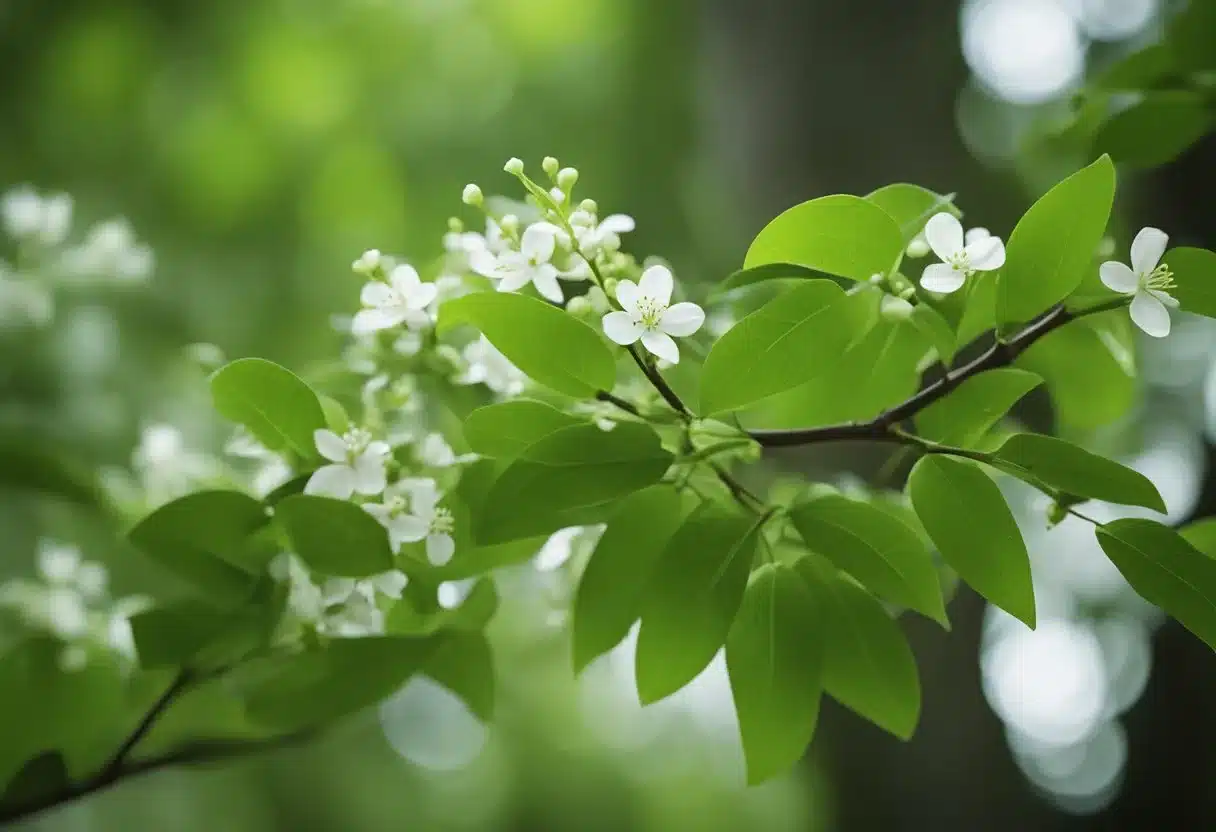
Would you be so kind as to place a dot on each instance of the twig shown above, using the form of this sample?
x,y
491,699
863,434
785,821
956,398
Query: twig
x,y
605,396
162,703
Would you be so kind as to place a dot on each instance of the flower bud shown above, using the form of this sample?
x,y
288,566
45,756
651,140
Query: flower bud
x,y
455,225
895,309
472,195
509,224
208,357
598,300
918,248
557,195
610,287
579,307
368,263
567,178
550,166
514,166
590,206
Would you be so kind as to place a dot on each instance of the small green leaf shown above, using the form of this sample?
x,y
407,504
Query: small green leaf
x,y
191,633
1195,275
336,417
767,272
1166,570
912,206
1088,373
464,664
774,656
335,537
694,594
1075,471
1157,130
614,584
780,346
576,467
506,430
934,327
272,402
1054,243
1141,70
290,692
967,518
208,540
553,347
868,666
881,552
967,413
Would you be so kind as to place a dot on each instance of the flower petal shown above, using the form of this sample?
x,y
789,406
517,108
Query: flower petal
x,y
1118,277
1147,249
682,320
1150,315
627,295
376,293
514,278
544,278
329,445
440,548
422,492
421,296
538,243
407,528
618,224
369,474
337,481
368,321
484,263
986,254
656,284
622,328
390,583
1165,297
945,235
942,278
974,235
404,279
660,344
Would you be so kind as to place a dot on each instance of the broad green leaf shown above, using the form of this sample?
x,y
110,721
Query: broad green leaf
x,y
335,537
574,468
1195,275
418,611
881,552
1156,130
780,346
39,782
868,666
291,692
615,582
1202,535
767,272
968,412
208,540
842,235
934,326
774,655
1075,471
1166,570
1088,373
979,313
506,430
29,466
1054,243
1189,36
1142,70
553,347
911,206
694,593
191,633
967,518
464,664
272,402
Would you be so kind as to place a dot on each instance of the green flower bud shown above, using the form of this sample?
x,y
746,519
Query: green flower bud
x,y
590,206
580,307
567,178
472,195
610,287
550,166
514,166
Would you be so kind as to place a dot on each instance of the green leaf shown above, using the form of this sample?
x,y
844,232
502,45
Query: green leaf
x,y
841,235
1054,243
1138,71
614,584
576,467
418,611
506,430
936,329
335,537
1189,35
774,656
552,347
1195,275
1202,535
1166,570
881,552
966,414
1075,471
868,666
272,402
464,664
28,466
979,313
1157,130
967,519
780,346
190,633
41,779
694,594
1088,373
290,692
765,273
912,206
208,540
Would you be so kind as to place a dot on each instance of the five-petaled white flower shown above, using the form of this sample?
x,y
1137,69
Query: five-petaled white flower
x,y
647,316
411,513
595,236
403,300
358,465
962,256
516,269
1147,280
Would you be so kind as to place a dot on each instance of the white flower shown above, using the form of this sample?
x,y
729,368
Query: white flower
x,y
62,566
451,594
648,316
358,464
961,255
403,299
595,237
516,269
370,262
1147,280
488,366
24,302
111,250
411,512
434,451
28,216
167,468
390,584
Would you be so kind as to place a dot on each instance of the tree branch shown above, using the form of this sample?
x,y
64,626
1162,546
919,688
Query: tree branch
x,y
879,428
